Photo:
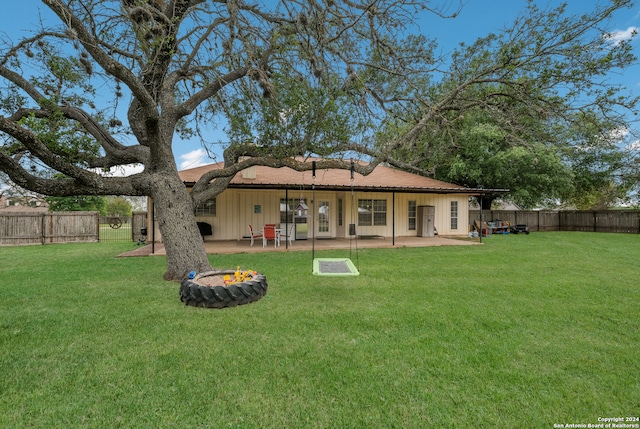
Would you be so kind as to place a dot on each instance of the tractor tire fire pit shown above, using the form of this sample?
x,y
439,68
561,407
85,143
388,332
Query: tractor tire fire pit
x,y
222,289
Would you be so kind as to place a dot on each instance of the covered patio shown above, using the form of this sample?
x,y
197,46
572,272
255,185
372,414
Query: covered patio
x,y
220,247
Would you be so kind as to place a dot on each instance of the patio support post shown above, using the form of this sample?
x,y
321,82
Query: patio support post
x,y
153,228
481,228
286,218
393,218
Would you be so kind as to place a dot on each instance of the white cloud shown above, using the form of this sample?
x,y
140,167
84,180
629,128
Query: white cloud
x,y
619,134
122,170
618,36
634,145
193,159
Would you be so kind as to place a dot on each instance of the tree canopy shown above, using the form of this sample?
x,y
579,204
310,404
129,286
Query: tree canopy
x,y
527,108
116,81
77,203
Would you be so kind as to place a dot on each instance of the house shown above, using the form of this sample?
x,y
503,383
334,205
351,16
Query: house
x,y
386,203
23,204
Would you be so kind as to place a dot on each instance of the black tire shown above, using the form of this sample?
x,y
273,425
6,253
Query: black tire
x,y
197,295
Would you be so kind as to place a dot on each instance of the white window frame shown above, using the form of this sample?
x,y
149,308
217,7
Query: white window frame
x,y
454,215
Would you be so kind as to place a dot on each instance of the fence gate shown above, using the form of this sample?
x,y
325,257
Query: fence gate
x,y
115,228
123,228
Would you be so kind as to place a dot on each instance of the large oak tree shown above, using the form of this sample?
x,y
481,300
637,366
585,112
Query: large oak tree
x,y
121,82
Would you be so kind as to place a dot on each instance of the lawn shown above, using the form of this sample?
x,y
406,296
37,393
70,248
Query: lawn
x,y
523,331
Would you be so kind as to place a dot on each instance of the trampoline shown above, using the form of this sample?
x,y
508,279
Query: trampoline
x,y
334,267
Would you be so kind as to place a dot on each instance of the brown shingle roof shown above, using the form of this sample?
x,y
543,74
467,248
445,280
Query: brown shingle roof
x,y
382,179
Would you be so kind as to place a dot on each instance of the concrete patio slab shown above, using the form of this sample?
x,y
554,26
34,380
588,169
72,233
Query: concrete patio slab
x,y
243,246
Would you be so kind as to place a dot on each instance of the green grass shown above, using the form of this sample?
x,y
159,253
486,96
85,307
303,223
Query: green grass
x,y
523,331
115,234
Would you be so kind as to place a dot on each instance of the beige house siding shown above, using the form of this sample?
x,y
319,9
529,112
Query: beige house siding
x,y
253,198
442,204
238,208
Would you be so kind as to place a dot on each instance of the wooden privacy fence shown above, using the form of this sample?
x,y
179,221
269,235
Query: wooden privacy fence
x,y
21,228
624,221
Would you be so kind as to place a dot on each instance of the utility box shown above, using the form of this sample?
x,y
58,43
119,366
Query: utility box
x,y
425,221
302,229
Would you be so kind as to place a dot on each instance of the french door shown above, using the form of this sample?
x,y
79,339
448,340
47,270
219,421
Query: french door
x,y
323,219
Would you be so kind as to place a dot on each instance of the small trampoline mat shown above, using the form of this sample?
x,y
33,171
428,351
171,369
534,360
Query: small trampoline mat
x,y
334,267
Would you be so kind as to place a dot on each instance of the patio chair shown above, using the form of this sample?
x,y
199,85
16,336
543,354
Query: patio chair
x,y
253,235
269,233
288,236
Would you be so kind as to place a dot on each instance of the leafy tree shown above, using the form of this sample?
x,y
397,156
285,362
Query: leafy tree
x,y
518,110
289,78
597,163
117,206
77,203
484,157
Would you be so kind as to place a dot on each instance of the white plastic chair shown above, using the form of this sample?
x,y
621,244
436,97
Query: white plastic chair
x,y
253,235
288,236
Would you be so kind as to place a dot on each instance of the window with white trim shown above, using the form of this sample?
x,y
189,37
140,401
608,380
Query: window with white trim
x,y
454,215
372,212
208,208
412,210
287,210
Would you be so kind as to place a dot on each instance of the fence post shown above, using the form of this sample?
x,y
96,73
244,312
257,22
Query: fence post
x,y
98,226
50,227
560,221
42,227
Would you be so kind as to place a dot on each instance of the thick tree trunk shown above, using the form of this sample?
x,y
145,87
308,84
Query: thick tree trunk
x,y
180,234
487,200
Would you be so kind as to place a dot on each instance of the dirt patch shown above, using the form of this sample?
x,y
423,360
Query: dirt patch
x,y
217,279
214,280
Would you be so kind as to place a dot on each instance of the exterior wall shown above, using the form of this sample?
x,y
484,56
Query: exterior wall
x,y
238,208
442,221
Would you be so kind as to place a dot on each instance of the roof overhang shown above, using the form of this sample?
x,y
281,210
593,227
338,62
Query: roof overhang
x,y
411,190
381,179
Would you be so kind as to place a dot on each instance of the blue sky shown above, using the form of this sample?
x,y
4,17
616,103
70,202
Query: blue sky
x,y
477,19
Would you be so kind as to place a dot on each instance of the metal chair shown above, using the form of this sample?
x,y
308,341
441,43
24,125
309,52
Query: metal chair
x,y
269,233
253,235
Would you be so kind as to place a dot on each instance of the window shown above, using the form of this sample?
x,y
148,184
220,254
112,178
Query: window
x,y
208,208
454,215
372,212
323,216
340,214
412,215
287,209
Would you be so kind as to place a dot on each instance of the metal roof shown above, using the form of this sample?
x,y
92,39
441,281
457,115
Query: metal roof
x,y
382,178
